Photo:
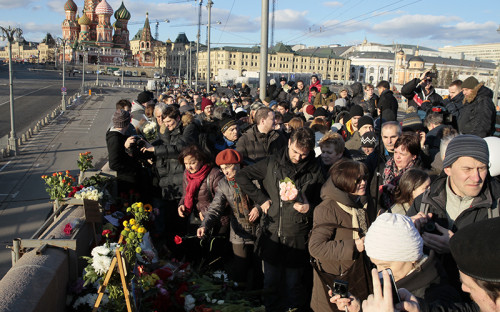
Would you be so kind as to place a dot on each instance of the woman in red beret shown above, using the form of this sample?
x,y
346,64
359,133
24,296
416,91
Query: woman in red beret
x,y
243,216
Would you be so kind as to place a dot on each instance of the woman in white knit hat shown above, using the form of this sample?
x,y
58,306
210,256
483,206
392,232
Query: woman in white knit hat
x,y
393,242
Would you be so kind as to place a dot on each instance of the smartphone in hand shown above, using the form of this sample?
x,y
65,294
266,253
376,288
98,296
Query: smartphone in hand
x,y
395,295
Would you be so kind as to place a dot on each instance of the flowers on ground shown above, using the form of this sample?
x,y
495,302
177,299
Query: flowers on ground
x,y
288,191
89,193
59,184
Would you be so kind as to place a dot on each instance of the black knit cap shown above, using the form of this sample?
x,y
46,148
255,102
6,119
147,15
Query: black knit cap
x,y
369,139
365,120
466,145
475,250
320,111
470,83
356,110
412,122
144,97
226,123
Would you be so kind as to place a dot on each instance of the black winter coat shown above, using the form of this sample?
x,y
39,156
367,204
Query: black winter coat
x,y
435,197
284,230
170,171
357,94
126,167
254,146
387,101
478,114
454,105
412,89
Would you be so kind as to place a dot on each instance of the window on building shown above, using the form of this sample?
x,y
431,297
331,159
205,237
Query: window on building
x,y
353,69
372,70
361,70
381,71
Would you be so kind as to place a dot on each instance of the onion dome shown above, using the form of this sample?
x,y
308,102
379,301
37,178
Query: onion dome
x,y
103,8
416,59
169,41
122,13
84,20
70,5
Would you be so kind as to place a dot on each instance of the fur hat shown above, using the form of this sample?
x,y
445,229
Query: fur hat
x,y
121,119
205,102
228,156
320,111
393,237
470,83
473,249
466,145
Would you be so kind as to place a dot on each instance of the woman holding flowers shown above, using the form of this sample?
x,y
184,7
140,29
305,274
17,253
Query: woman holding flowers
x,y
243,217
337,238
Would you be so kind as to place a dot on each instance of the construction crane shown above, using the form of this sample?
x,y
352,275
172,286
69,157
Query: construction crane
x,y
272,23
157,25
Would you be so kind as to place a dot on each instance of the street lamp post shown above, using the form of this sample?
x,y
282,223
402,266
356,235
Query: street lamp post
x,y
63,42
11,34
98,67
123,59
181,54
209,7
495,94
85,55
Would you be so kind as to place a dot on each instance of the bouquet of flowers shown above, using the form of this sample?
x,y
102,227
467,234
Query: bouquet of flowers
x,y
288,190
90,193
85,161
58,185
149,131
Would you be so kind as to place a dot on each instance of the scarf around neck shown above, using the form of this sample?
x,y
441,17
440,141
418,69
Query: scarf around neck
x,y
194,181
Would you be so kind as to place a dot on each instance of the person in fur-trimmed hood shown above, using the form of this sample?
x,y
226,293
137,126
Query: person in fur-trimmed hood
x,y
478,113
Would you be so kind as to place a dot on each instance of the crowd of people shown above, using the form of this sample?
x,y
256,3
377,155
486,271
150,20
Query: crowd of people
x,y
313,189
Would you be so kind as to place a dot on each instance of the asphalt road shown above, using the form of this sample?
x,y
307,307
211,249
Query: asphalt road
x,y
38,92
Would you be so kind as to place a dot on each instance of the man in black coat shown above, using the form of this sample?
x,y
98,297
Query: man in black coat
x,y
387,102
261,140
420,93
287,218
478,114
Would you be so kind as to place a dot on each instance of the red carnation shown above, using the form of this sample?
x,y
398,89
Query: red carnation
x,y
106,232
178,239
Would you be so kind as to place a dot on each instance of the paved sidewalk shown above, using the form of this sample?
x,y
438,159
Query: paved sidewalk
x,y
24,204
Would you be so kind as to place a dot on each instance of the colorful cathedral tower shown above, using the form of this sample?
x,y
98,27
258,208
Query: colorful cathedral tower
x,y
121,36
104,30
70,27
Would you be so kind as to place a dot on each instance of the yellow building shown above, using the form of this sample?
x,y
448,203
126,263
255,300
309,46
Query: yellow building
x,y
21,51
281,59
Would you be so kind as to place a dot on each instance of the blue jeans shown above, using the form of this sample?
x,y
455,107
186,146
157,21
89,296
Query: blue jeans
x,y
284,288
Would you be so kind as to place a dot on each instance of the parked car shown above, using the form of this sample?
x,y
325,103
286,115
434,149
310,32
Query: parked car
x,y
117,73
135,73
156,75
127,73
143,74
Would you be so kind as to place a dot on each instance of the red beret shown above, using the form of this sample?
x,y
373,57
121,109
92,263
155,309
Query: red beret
x,y
228,156
205,102
310,109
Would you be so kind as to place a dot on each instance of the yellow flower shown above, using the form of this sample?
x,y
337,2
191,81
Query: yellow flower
x,y
132,221
141,230
134,227
140,205
125,223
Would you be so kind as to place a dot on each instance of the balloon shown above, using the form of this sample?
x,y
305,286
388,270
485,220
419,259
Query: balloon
x,y
494,148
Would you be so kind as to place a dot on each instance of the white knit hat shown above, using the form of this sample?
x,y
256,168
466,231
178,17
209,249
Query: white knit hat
x,y
393,237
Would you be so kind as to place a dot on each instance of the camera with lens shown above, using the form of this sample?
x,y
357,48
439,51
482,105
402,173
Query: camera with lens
x,y
430,227
431,75
139,142
340,288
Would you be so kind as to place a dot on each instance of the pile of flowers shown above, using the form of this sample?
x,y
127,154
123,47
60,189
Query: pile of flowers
x,y
288,191
149,131
90,193
85,161
59,184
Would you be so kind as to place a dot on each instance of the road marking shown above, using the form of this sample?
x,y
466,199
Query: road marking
x,y
1,104
15,194
5,165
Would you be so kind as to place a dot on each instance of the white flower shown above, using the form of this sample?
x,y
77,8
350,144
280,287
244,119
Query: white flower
x,y
189,303
101,264
100,251
220,302
220,275
89,299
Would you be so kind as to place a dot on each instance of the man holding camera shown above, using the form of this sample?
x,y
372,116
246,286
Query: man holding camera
x,y
420,92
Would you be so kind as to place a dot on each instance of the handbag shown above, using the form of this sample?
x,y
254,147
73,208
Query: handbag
x,y
358,275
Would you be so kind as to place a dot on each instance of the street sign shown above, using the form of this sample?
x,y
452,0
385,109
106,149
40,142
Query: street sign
x,y
63,89
292,77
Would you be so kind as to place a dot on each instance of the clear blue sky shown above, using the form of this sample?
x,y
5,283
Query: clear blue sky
x,y
423,22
